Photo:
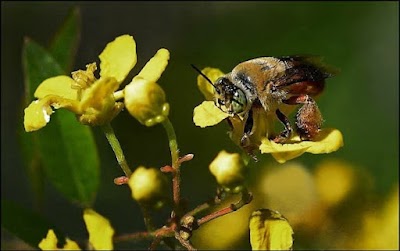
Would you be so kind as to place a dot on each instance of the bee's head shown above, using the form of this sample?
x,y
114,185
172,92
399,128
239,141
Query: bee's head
x,y
227,96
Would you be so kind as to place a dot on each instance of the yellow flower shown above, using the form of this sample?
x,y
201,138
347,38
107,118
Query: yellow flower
x,y
100,234
90,98
100,230
229,170
208,114
50,243
144,98
269,230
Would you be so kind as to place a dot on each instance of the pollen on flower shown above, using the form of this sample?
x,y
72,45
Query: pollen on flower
x,y
83,79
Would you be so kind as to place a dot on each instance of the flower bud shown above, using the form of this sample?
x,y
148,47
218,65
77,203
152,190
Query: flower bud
x,y
148,186
145,100
229,170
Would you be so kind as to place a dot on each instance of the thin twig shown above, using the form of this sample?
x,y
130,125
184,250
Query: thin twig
x,y
245,199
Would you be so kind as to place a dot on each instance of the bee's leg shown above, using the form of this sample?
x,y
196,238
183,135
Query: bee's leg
x,y
248,126
245,140
308,117
287,131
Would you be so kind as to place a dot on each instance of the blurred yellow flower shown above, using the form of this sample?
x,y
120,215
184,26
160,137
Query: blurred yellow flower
x,y
380,229
90,98
269,230
227,232
334,180
100,230
50,243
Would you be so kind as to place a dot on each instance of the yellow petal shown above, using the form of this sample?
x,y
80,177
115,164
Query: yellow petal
x,y
205,87
118,58
59,86
269,230
155,67
98,93
71,245
37,114
50,243
98,105
329,140
207,114
100,230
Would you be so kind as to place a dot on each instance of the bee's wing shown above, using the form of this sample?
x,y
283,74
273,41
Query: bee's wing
x,y
315,61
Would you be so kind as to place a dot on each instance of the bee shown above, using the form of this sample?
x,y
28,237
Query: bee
x,y
268,83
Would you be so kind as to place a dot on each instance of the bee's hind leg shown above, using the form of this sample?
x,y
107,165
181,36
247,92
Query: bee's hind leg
x,y
287,131
308,117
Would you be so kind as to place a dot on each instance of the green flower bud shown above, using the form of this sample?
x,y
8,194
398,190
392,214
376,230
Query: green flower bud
x,y
149,187
229,170
145,100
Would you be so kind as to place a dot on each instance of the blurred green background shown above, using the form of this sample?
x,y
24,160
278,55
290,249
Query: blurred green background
x,y
360,38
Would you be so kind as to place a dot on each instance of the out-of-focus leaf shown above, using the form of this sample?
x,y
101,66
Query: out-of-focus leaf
x,y
25,224
66,148
65,43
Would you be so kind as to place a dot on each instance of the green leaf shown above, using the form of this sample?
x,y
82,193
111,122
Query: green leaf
x,y
38,65
65,43
70,158
25,224
67,149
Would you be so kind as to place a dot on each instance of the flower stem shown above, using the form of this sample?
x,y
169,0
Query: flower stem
x,y
119,154
173,145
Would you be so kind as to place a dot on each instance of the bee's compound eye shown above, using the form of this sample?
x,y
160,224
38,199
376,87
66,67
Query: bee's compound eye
x,y
239,101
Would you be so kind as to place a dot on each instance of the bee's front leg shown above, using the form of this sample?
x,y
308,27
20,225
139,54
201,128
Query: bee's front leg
x,y
308,117
287,131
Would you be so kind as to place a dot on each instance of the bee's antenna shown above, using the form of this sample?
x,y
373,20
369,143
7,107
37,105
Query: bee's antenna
x,y
202,74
